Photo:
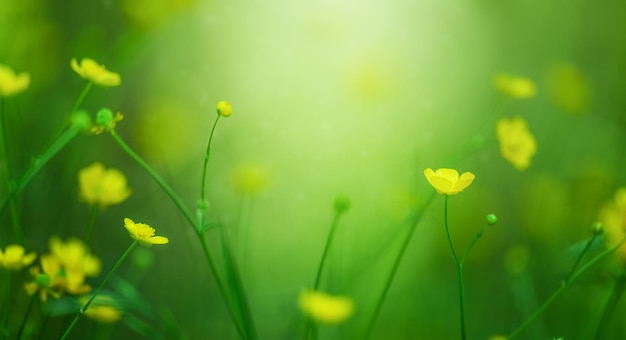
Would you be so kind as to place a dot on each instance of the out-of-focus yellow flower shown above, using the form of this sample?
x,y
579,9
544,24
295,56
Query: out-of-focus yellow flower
x,y
143,233
517,143
11,83
613,217
447,181
250,179
103,309
569,88
48,279
103,187
105,120
96,73
325,308
75,256
514,87
224,109
14,257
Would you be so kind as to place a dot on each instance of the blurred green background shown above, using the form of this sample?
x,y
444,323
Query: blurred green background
x,y
332,97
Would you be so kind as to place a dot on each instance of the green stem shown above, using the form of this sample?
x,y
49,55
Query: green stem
x,y
611,304
471,245
565,284
28,309
7,306
207,156
581,255
459,266
38,163
82,310
46,317
93,213
8,176
81,98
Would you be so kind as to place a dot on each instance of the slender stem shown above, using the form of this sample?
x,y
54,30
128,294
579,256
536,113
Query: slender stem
x,y
82,97
445,215
611,304
459,266
8,176
7,305
28,309
329,241
207,156
471,245
565,284
38,163
93,213
46,317
581,255
82,310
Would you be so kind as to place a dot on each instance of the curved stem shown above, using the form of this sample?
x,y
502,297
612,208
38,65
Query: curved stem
x,y
82,310
611,304
471,245
565,284
207,156
459,267
581,255
329,241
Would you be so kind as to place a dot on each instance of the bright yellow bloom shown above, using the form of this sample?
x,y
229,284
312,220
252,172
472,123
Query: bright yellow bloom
x,y
14,257
517,143
75,256
103,309
612,215
447,181
96,73
224,109
514,87
143,233
103,187
11,83
325,308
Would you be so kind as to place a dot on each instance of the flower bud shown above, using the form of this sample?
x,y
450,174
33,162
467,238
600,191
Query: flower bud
x,y
342,204
597,229
224,109
492,219
42,280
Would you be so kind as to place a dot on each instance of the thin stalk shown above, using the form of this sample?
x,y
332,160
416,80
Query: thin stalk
x,y
7,304
93,213
394,269
207,156
459,266
28,309
611,304
581,255
471,245
82,310
329,241
38,163
8,176
564,285
46,317
77,104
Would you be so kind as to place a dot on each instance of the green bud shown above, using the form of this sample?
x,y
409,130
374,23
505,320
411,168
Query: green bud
x,y
42,281
342,204
81,120
597,229
492,219
104,117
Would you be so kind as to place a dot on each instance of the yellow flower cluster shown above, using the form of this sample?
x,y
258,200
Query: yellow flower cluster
x,y
64,269
612,215
517,143
11,83
102,187
324,308
14,257
96,73
143,233
514,87
447,181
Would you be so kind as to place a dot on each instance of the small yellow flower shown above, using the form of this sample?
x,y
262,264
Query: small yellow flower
x,y
517,143
105,120
14,257
143,233
325,308
75,257
515,87
103,309
612,215
447,181
103,187
96,73
11,83
224,109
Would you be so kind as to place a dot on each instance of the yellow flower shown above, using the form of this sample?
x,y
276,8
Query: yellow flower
x,y
447,181
103,309
224,109
612,215
250,179
13,257
143,233
75,257
517,143
105,120
56,277
102,186
325,308
514,87
11,83
95,73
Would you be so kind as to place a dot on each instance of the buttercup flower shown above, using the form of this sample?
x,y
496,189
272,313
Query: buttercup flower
x,y
325,308
103,187
612,215
143,233
517,143
514,87
95,73
447,181
224,109
14,257
11,83
105,120
103,309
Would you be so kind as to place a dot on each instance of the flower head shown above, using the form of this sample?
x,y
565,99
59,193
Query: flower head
x,y
224,109
612,216
514,87
143,233
517,143
14,257
105,120
325,308
103,187
11,83
96,73
447,181
103,309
